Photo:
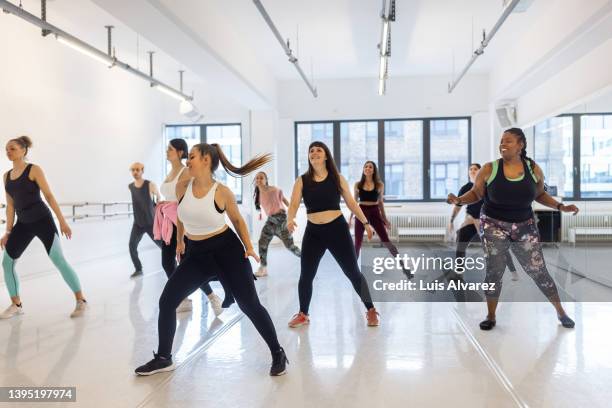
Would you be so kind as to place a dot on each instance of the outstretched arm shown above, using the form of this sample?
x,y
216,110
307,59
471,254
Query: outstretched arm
x,y
39,178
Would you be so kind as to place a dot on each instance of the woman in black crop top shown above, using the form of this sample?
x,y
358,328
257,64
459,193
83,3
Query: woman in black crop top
x,y
509,186
321,187
369,192
471,224
23,185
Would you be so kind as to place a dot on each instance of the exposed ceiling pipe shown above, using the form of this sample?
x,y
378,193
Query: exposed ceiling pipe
x,y
485,41
74,42
285,46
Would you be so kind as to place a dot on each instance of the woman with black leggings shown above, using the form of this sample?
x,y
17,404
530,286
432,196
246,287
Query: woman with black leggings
x,y
471,224
23,185
509,186
166,213
208,247
321,187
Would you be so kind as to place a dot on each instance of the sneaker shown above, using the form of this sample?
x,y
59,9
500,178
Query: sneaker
x,y
215,303
514,276
566,322
298,320
12,311
487,324
81,306
372,317
279,363
159,364
136,274
261,272
185,306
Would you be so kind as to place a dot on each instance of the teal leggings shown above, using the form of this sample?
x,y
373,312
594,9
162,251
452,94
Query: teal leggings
x,y
19,239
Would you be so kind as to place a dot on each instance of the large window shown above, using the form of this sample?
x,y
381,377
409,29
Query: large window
x,y
307,133
403,160
449,158
358,143
553,152
575,154
228,136
596,156
418,159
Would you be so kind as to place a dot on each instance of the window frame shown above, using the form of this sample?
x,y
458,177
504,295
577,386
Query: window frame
x,y
426,127
576,151
203,137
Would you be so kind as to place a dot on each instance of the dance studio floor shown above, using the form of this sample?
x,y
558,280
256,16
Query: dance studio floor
x,y
422,355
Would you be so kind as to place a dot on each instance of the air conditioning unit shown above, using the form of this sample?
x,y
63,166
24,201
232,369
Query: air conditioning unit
x,y
506,115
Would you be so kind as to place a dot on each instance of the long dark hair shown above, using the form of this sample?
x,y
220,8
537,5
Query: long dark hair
x,y
256,192
330,165
520,135
377,181
180,145
217,156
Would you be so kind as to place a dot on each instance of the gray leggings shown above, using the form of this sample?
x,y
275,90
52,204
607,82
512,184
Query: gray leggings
x,y
276,225
497,237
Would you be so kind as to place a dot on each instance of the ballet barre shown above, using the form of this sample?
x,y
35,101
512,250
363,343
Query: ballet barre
x,y
104,205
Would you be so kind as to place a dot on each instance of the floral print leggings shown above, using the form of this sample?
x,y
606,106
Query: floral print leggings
x,y
497,238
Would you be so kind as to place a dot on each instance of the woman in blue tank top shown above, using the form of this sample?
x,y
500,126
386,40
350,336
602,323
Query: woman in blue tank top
x,y
509,186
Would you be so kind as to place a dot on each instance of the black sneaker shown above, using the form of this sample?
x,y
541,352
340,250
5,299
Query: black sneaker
x,y
566,322
279,363
159,364
136,274
487,324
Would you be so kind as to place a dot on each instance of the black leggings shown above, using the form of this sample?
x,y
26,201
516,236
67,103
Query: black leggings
x,y
135,237
221,255
168,254
336,237
467,234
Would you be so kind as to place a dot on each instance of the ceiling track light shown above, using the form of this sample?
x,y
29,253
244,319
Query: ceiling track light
x,y
387,15
486,39
292,58
109,58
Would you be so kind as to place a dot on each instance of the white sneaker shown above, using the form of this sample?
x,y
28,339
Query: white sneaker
x,y
515,276
215,303
261,272
185,306
11,311
81,306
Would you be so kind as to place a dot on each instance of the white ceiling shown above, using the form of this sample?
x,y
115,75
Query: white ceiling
x,y
339,37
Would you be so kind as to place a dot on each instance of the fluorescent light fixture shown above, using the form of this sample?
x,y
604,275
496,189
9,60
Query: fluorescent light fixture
x,y
106,61
186,107
385,37
383,68
169,92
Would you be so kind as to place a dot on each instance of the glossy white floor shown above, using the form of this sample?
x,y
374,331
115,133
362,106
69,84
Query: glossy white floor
x,y
423,354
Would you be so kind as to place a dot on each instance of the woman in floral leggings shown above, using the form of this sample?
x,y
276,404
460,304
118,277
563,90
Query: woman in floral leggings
x,y
509,187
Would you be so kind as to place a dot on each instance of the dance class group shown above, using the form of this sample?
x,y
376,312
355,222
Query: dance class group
x,y
187,217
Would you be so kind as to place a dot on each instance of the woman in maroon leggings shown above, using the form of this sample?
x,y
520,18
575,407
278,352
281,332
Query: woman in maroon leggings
x,y
369,193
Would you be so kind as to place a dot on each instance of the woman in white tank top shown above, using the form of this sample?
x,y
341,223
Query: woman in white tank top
x,y
211,247
176,152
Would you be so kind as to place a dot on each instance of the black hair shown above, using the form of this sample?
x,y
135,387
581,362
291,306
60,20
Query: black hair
x,y
330,165
180,145
520,135
375,176
256,192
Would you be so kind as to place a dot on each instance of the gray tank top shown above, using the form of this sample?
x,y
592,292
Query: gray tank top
x,y
144,208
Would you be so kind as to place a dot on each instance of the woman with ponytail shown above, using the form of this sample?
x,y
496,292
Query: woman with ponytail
x,y
321,187
23,185
209,247
509,186
274,203
165,230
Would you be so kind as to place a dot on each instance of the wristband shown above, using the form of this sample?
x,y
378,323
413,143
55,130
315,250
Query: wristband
x,y
366,223
559,205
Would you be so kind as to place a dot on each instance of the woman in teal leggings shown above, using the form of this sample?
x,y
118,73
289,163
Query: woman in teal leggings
x,y
23,185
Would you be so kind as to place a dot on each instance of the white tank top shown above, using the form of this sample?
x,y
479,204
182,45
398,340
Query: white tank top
x,y
168,189
200,215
